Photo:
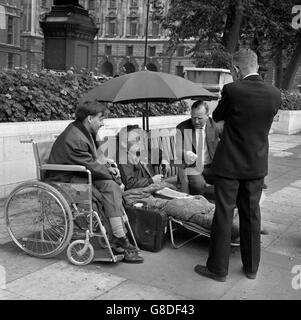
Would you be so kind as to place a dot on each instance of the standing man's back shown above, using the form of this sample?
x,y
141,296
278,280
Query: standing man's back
x,y
240,164
248,107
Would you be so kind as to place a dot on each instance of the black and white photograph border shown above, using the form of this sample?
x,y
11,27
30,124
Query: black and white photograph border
x,y
53,55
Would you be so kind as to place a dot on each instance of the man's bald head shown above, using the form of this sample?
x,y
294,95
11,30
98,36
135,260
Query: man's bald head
x,y
246,61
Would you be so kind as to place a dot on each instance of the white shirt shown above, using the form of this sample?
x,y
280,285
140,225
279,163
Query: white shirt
x,y
251,74
205,156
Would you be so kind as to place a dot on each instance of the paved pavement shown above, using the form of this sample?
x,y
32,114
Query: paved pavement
x,y
168,274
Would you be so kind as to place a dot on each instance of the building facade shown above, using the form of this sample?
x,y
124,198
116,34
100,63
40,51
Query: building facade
x,y
32,39
121,38
10,20
119,44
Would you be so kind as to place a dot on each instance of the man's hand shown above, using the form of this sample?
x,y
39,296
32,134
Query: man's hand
x,y
114,171
190,157
157,178
111,162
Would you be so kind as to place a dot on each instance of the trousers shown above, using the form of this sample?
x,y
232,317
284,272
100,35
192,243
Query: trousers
x,y
111,197
245,194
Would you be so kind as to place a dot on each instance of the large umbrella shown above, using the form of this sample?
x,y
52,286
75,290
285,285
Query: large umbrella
x,y
147,86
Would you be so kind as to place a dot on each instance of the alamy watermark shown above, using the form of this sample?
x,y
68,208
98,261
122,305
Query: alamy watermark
x,y
296,281
149,147
2,277
296,22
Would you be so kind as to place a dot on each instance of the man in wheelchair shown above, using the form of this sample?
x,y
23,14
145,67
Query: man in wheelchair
x,y
76,145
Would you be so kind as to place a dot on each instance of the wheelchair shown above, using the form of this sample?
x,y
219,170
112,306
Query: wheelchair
x,y
43,219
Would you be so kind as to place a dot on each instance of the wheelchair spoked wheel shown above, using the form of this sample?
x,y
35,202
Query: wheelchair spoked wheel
x,y
38,219
80,253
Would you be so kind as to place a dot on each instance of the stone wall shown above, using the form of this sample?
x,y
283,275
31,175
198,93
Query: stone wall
x,y
16,156
287,122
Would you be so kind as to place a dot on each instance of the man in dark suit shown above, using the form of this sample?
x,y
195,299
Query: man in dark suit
x,y
76,145
197,139
240,163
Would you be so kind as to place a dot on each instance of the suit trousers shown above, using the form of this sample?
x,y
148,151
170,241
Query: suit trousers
x,y
245,194
196,183
208,175
111,197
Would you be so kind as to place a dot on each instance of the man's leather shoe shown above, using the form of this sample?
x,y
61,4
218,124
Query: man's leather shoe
x,y
123,245
250,275
132,256
264,231
119,245
204,271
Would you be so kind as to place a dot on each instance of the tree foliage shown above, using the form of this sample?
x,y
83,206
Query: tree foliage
x,y
290,100
221,26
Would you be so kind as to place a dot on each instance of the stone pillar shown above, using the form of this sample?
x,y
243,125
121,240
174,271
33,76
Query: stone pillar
x,y
69,34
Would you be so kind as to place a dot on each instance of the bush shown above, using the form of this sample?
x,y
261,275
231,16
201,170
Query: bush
x,y
215,58
290,100
48,95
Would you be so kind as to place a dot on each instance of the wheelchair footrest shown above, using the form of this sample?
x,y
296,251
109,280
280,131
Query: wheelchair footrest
x,y
101,257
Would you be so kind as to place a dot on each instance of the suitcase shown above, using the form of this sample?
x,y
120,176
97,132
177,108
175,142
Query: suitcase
x,y
149,227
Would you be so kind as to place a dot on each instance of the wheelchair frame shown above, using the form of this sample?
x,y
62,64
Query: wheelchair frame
x,y
75,200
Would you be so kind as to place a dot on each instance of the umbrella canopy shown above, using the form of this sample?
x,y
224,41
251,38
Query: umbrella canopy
x,y
143,86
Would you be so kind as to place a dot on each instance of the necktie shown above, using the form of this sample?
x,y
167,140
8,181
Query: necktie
x,y
200,150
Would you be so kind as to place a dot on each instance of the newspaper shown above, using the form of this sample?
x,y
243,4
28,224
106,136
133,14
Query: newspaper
x,y
172,194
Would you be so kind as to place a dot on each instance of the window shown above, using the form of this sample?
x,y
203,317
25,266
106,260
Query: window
x,y
91,4
113,4
10,60
129,50
151,51
133,28
112,28
10,30
44,3
134,3
108,50
180,71
181,51
155,29
2,17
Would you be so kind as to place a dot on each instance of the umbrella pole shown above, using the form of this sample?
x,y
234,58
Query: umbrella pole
x,y
147,116
143,120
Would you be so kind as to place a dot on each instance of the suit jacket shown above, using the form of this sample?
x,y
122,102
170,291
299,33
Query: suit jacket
x,y
248,107
187,140
135,176
75,146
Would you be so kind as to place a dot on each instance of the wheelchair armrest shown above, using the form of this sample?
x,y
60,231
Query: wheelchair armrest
x,y
63,167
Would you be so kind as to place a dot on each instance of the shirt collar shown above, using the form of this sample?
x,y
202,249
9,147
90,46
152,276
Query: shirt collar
x,y
251,74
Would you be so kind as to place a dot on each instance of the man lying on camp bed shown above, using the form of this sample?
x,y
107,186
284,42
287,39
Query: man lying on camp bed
x,y
141,186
